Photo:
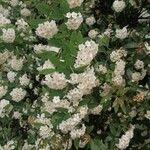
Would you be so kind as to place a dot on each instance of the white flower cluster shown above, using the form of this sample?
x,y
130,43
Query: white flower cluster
x,y
17,94
139,64
3,91
121,33
90,21
41,48
77,133
140,73
24,80
85,83
3,20
50,106
74,20
45,131
55,80
47,29
137,76
9,146
3,104
125,139
92,34
101,69
71,123
25,12
4,11
16,64
14,2
86,53
96,110
74,3
117,55
11,76
8,35
47,65
21,24
119,5
119,71
147,115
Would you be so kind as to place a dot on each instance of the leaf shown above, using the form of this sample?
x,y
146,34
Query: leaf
x,y
58,117
43,8
34,22
104,41
46,71
131,45
96,144
58,9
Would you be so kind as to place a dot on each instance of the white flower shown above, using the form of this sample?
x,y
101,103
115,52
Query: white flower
x,y
96,110
70,123
119,5
117,55
24,80
45,131
47,29
3,91
147,115
102,69
17,94
92,34
56,99
4,11
16,64
122,33
74,78
3,104
125,139
74,20
147,46
9,146
86,53
77,133
90,21
47,65
120,67
118,80
88,81
16,115
21,24
136,76
139,64
41,48
74,96
74,3
4,20
14,2
25,12
11,76
55,80
8,35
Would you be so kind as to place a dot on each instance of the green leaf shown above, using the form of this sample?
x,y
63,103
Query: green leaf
x,y
34,22
46,71
131,45
96,144
104,41
43,8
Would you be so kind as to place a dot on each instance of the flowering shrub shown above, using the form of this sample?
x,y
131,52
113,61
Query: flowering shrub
x,y
74,74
